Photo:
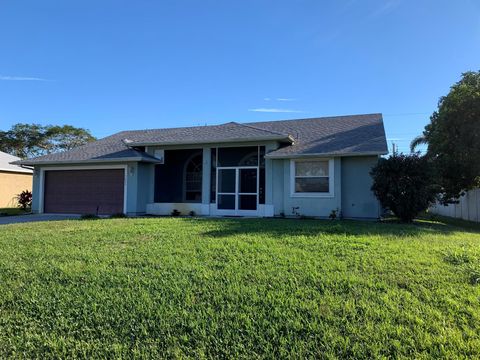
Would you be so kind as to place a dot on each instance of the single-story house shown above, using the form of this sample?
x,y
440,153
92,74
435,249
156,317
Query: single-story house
x,y
297,167
13,180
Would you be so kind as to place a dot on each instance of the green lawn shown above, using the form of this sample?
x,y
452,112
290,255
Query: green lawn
x,y
178,287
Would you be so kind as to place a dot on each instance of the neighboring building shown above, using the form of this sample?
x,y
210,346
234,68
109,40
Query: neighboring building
x,y
293,167
13,180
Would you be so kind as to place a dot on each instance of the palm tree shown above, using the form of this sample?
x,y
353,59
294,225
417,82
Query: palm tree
x,y
419,140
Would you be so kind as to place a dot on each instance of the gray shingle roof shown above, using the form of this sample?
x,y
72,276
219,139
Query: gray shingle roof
x,y
6,159
109,149
341,135
338,135
229,132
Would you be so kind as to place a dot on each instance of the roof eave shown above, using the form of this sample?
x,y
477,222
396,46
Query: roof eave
x,y
239,140
296,156
88,161
17,171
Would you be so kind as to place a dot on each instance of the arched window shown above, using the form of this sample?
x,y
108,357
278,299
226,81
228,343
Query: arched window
x,y
193,179
249,159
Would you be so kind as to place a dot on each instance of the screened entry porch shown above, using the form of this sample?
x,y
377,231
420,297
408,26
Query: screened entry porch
x,y
222,181
238,180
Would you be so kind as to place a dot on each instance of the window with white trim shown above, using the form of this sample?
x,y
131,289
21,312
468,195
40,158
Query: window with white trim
x,y
193,179
312,177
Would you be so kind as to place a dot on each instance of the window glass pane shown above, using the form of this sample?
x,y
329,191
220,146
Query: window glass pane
x,y
248,181
193,179
226,202
193,175
247,202
311,168
226,180
312,184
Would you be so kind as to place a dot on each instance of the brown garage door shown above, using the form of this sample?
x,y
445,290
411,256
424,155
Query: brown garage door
x,y
84,191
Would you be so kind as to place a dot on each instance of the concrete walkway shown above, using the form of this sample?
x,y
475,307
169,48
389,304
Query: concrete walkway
x,y
4,220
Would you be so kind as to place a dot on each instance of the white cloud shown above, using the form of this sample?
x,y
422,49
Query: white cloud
x,y
275,110
21,78
279,99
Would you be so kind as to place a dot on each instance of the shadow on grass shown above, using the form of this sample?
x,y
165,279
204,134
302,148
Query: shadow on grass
x,y
460,223
297,227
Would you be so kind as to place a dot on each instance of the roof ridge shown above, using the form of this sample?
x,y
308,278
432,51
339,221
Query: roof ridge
x,y
170,128
318,118
259,128
243,124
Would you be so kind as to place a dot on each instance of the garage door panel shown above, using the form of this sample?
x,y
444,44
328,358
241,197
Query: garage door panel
x,y
84,191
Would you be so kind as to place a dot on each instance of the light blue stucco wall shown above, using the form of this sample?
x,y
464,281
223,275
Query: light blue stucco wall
x,y
352,183
284,202
352,194
36,191
358,201
269,174
278,186
144,173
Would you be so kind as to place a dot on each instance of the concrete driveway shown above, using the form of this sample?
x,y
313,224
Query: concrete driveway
x,y
4,220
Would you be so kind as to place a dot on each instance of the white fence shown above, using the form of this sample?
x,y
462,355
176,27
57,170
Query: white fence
x,y
468,207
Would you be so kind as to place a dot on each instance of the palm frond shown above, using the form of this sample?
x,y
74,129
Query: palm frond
x,y
419,140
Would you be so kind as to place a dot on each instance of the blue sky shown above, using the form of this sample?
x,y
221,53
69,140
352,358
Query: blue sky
x,y
115,65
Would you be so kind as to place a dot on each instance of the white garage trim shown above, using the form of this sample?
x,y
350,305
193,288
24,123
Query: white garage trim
x,y
92,167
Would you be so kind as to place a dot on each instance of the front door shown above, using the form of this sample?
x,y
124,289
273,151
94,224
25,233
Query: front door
x,y
237,191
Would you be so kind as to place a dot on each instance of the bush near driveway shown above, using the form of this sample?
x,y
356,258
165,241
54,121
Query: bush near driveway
x,y
12,211
238,288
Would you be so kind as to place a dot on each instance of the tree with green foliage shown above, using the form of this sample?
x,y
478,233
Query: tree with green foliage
x,y
30,140
453,138
405,185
